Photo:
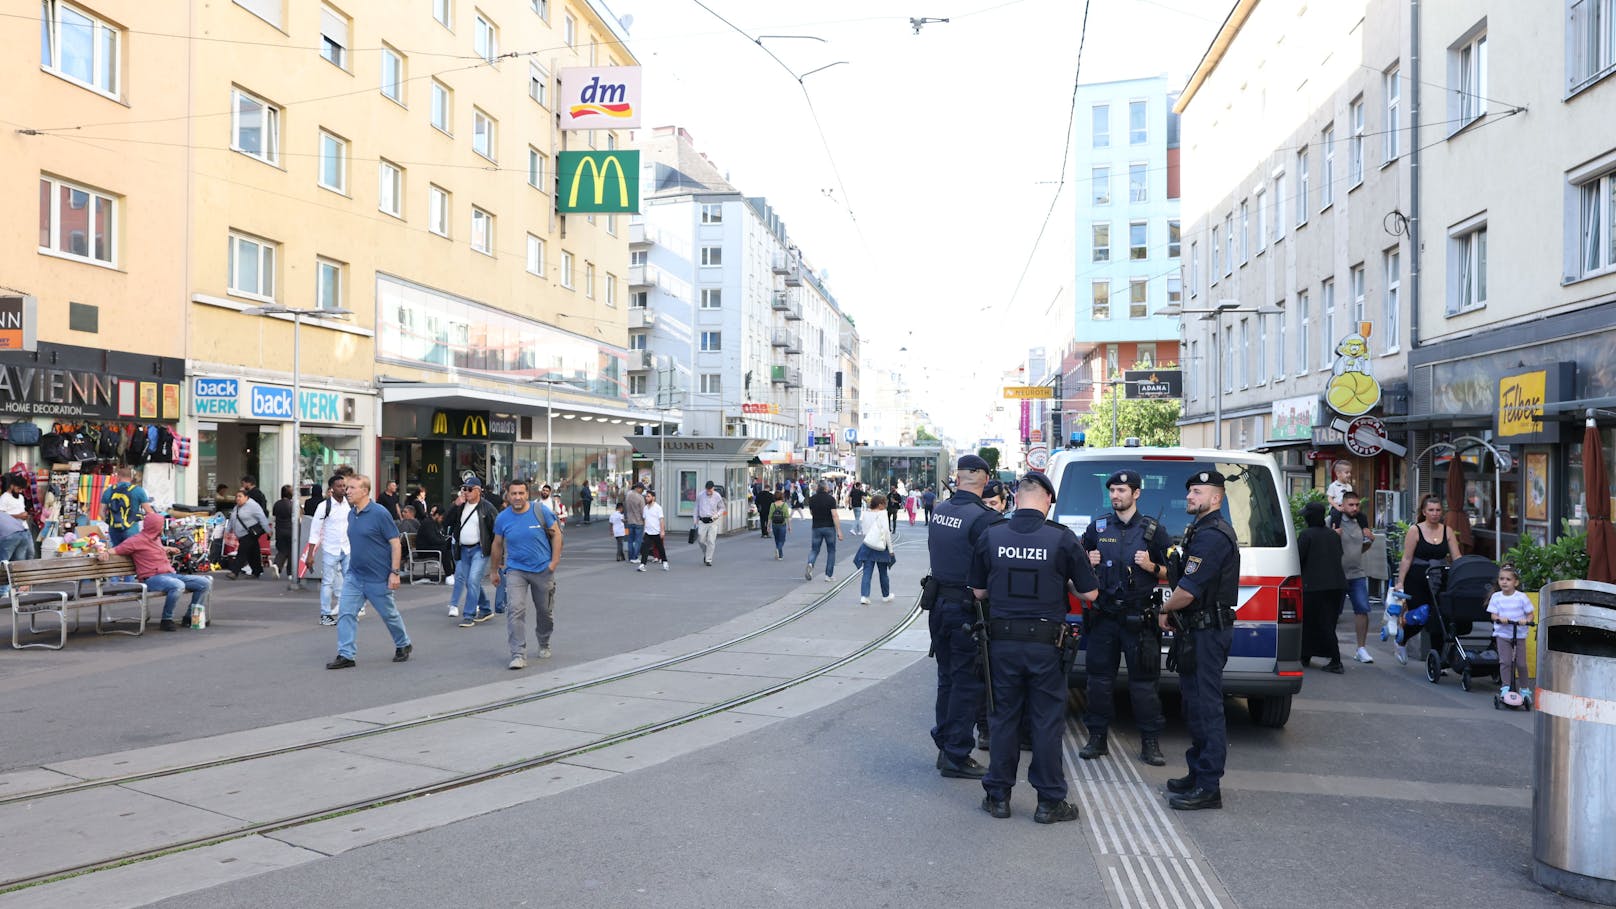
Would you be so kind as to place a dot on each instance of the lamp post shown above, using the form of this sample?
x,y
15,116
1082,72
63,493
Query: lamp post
x,y
1215,316
549,425
295,582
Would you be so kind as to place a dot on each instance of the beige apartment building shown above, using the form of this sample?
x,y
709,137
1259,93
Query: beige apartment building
x,y
394,160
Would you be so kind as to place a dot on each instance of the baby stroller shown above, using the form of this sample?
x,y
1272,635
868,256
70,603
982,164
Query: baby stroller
x,y
1460,593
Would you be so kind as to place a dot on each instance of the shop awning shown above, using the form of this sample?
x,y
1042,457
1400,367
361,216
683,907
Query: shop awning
x,y
462,397
1439,420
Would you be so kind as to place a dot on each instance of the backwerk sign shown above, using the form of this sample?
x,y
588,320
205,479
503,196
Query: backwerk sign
x,y
600,97
598,181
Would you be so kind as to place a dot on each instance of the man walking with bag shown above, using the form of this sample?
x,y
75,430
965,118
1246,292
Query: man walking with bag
x,y
527,547
709,508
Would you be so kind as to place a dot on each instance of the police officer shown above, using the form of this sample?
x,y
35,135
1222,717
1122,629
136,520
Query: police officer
x,y
1205,595
1025,566
951,540
996,497
1128,551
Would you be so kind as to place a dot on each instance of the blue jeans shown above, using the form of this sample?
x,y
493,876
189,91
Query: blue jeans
x,y
355,593
333,566
636,533
1357,592
17,547
827,537
172,585
469,571
869,569
117,535
501,595
780,531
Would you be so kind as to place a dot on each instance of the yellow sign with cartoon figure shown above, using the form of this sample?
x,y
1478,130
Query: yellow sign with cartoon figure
x,y
1352,390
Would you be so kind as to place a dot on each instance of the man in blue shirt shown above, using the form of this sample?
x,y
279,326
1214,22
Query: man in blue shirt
x,y
373,572
527,546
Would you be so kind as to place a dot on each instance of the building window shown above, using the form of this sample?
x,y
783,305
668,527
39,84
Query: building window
x,y
1360,310
442,97
1228,251
589,280
1261,205
79,47
712,383
442,12
1228,358
535,255
712,298
1195,268
712,213
484,140
1100,183
1102,300
1175,289
327,284
1113,360
1301,187
1593,41
1279,206
1217,254
1469,76
566,270
1137,132
569,31
636,257
252,267
637,340
76,221
1327,176
1260,352
1191,386
333,163
1138,234
636,385
712,256
1244,352
1101,233
535,168
1145,354
255,127
485,38
1102,125
611,289
333,36
1137,187
1327,335
1467,253
390,188
712,341
1174,240
1391,308
1138,298
1596,225
482,231
1245,231
1279,343
542,8
1302,307
437,210
538,85
638,299
393,74
1355,150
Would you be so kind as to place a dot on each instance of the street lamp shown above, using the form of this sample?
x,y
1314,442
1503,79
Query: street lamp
x,y
549,423
295,582
1215,316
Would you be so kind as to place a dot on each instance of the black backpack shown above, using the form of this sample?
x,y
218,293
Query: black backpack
x,y
53,448
109,442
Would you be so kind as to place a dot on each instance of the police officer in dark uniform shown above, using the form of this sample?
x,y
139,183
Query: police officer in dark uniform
x,y
1024,566
1128,551
951,539
996,497
1205,595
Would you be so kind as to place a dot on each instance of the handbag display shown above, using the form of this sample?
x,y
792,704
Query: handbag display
x,y
23,432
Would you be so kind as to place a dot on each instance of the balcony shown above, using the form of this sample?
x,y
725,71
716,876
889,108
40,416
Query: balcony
x,y
793,311
785,375
641,361
640,276
636,235
780,302
794,277
782,265
784,338
641,317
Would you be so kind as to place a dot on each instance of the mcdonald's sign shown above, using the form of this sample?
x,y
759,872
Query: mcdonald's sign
x,y
460,424
598,181
473,426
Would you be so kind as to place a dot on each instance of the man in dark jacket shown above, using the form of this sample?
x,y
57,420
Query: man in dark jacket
x,y
1324,585
470,527
763,499
249,485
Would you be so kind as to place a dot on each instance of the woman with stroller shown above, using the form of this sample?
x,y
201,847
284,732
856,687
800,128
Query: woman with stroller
x,y
1428,543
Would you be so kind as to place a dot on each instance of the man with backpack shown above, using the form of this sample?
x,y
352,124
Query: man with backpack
x,y
123,505
329,534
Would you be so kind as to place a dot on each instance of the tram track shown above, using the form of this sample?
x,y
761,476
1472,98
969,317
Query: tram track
x,y
458,781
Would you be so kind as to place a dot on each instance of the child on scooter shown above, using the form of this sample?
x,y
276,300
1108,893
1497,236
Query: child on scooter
x,y
1510,611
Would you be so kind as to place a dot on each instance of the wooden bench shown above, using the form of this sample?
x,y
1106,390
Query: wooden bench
x,y
72,582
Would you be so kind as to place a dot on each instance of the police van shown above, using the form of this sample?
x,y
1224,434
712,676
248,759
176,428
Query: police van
x,y
1265,657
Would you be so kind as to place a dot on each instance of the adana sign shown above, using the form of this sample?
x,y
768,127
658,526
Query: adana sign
x,y
600,97
1153,383
598,181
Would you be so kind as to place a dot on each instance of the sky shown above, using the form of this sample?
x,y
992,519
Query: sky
x,y
918,169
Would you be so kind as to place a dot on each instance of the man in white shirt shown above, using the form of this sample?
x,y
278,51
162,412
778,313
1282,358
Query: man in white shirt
x,y
653,533
709,508
329,535
11,501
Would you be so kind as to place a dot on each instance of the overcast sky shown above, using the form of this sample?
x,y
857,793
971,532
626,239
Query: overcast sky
x,y
944,154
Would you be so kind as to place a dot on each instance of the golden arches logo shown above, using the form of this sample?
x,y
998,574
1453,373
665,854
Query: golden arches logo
x,y
597,173
474,427
431,468
440,424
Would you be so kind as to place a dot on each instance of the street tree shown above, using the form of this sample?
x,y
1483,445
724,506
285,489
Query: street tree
x,y
1152,422
990,455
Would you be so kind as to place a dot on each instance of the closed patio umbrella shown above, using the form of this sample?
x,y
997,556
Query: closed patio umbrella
x,y
1458,522
1596,500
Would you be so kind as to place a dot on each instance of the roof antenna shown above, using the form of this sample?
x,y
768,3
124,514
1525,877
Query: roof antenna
x,y
923,20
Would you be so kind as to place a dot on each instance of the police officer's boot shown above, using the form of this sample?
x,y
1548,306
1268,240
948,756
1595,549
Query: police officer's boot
x,y
1150,753
1095,747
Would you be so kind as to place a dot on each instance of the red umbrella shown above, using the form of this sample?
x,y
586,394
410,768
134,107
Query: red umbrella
x,y
1455,516
1596,499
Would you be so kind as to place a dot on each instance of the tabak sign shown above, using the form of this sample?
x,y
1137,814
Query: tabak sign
x,y
1521,400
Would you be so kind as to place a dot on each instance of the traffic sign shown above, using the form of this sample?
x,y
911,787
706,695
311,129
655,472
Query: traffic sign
x,y
1038,457
851,434
1025,392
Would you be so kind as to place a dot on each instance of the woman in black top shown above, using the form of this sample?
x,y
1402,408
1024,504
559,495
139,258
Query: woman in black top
x,y
1324,587
282,512
1428,543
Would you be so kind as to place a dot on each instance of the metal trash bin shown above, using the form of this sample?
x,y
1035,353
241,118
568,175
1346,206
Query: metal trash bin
x,y
1573,801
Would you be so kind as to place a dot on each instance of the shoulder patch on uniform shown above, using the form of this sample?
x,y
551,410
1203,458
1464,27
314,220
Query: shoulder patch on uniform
x,y
1099,525
1191,564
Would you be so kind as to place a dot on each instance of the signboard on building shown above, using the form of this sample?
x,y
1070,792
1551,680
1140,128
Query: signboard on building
x,y
598,181
1153,383
1352,390
1521,397
759,407
17,322
230,398
599,97
1025,392
1292,419
64,381
459,424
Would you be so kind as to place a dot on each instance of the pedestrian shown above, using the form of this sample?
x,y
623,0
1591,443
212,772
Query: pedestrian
x,y
928,502
1025,566
586,498
1128,552
421,507
763,500
779,524
619,531
501,595
634,520
1352,526
894,503
855,501
249,485
407,522
553,502
250,525
223,501
1340,483
710,507
875,552
1425,546
527,547
996,497
154,569
124,504
910,502
1510,612
1324,586
389,500
16,538
373,573
959,523
653,534
827,529
471,528
328,535
283,512
1205,594
432,538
